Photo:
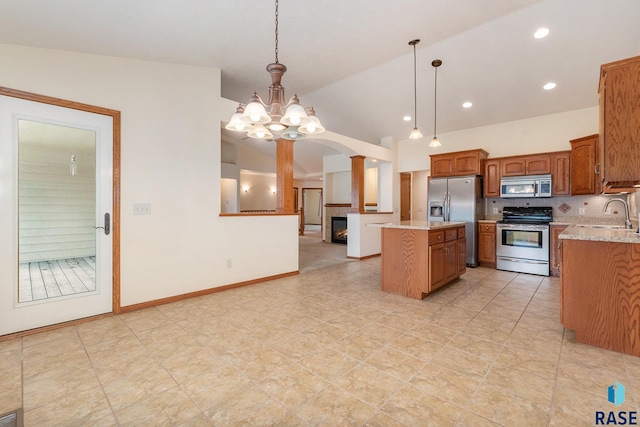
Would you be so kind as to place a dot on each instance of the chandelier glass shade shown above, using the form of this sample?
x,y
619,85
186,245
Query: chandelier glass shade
x,y
288,119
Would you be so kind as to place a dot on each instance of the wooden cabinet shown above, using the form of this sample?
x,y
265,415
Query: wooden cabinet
x,y
558,164
561,173
599,290
487,243
619,150
536,164
584,159
416,262
555,249
492,178
459,163
462,255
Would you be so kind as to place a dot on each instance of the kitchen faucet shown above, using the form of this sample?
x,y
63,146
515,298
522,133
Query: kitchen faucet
x,y
627,221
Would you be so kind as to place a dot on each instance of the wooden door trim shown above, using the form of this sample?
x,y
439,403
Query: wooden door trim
x,y
115,115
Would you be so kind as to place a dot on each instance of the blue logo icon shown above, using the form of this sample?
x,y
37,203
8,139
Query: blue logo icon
x,y
616,394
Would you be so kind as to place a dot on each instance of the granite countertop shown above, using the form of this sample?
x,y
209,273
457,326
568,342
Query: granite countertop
x,y
417,225
616,235
488,221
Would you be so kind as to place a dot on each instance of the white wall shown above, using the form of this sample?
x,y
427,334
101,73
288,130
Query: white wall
x,y
364,240
260,191
534,135
419,187
170,158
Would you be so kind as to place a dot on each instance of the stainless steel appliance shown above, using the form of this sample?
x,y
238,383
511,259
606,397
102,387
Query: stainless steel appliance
x,y
458,199
522,240
525,186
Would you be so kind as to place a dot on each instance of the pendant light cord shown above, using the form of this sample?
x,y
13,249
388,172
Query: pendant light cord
x,y
435,104
277,32
415,91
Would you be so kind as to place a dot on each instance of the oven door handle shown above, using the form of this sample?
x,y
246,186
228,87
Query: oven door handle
x,y
523,227
524,261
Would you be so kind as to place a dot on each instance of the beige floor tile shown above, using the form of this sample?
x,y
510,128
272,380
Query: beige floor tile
x,y
356,346
469,419
562,419
417,347
445,384
395,362
10,399
461,362
34,370
129,389
369,384
57,386
68,332
200,420
433,332
521,383
412,407
214,388
347,322
334,407
143,320
380,419
293,386
191,362
540,364
262,363
379,332
290,420
398,322
329,364
507,409
10,370
171,407
476,345
324,333
84,407
252,407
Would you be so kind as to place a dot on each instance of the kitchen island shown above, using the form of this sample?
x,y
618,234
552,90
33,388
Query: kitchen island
x,y
419,257
600,286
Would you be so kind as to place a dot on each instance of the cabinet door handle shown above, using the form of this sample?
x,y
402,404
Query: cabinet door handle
x,y
596,168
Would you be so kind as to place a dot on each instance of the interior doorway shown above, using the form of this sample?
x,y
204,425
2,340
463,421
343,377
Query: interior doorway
x,y
405,196
312,205
59,175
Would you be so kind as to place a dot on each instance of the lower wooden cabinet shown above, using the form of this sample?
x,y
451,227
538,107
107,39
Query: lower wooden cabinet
x,y
555,249
416,262
487,245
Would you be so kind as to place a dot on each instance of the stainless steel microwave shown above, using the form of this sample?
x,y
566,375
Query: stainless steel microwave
x,y
526,186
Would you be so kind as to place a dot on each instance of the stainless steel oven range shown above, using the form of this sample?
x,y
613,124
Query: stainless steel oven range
x,y
522,240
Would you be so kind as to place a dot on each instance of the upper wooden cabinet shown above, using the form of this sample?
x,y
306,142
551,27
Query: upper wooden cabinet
x,y
536,164
460,163
584,154
561,173
620,123
558,164
492,178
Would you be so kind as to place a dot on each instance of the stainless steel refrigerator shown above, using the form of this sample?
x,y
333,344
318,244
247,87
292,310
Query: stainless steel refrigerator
x,y
458,199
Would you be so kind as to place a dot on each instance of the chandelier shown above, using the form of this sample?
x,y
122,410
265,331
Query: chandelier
x,y
290,120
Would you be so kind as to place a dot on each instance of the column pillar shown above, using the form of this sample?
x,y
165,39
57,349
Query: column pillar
x,y
357,184
284,176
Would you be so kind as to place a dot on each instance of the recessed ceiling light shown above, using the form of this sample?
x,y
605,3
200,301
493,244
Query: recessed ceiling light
x,y
467,104
541,33
549,86
407,118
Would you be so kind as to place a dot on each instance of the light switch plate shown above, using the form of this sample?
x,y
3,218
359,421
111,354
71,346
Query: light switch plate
x,y
142,208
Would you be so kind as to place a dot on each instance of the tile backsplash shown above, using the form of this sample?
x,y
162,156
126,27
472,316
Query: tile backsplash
x,y
572,208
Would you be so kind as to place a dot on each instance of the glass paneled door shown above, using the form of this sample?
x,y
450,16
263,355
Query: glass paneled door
x,y
56,188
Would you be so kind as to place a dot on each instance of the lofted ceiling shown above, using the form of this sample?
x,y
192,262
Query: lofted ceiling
x,y
351,59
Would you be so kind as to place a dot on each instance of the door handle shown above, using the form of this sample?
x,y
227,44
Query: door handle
x,y
107,224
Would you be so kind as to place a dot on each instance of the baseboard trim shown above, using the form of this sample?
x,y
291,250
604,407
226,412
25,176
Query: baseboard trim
x,y
363,257
53,327
168,300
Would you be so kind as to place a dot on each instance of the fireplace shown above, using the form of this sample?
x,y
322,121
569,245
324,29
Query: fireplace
x,y
339,229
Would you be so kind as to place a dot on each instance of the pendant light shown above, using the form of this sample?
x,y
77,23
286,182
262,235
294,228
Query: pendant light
x,y
435,142
415,133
